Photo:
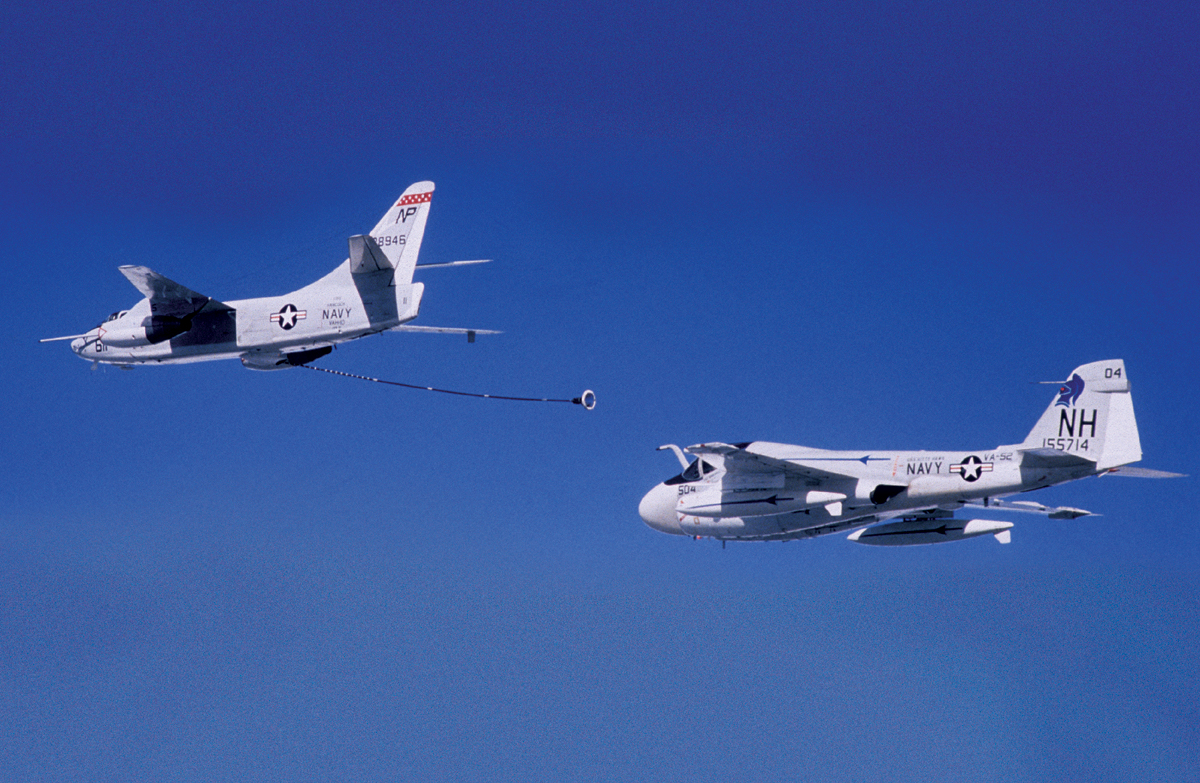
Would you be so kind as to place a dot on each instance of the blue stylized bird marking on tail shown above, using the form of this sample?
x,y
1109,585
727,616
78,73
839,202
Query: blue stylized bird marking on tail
x,y
1070,391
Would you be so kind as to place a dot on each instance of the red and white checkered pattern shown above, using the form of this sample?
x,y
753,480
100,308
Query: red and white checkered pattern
x,y
415,198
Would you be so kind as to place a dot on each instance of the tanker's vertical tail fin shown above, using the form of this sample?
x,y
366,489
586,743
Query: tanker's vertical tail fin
x,y
382,262
395,241
1091,416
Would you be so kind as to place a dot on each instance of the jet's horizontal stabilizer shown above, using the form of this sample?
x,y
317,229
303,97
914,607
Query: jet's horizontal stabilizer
x,y
1045,457
1136,472
914,532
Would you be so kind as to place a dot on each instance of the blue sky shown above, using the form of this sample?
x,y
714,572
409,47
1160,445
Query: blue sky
x,y
848,225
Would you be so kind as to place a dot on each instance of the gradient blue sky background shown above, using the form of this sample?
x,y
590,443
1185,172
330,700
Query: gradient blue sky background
x,y
847,225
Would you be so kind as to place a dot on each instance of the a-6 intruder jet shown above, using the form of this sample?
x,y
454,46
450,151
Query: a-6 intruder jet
x,y
776,492
371,292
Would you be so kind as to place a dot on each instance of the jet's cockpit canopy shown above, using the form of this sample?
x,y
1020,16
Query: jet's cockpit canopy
x,y
698,470
116,315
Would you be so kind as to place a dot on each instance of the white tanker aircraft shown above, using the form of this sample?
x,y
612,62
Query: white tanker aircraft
x,y
370,292
775,492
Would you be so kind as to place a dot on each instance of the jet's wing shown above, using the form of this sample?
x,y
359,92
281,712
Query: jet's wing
x,y
741,459
168,297
1030,507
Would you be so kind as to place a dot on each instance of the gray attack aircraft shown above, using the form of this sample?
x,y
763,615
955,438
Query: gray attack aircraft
x,y
775,492
372,291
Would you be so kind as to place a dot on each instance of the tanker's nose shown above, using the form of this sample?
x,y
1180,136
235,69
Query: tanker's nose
x,y
87,346
658,510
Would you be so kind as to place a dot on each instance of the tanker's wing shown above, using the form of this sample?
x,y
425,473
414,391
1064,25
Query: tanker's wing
x,y
168,297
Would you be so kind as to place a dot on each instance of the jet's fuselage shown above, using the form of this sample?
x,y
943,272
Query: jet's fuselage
x,y
868,486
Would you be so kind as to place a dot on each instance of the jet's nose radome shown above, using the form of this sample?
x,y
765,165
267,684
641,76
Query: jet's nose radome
x,y
658,510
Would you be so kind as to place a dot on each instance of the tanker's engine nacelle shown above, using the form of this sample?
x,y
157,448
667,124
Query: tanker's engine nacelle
x,y
270,360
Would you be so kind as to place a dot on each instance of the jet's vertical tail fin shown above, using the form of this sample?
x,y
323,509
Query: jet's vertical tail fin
x,y
395,241
1091,416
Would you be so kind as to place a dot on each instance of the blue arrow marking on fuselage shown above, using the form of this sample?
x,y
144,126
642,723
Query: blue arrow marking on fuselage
x,y
863,460
774,500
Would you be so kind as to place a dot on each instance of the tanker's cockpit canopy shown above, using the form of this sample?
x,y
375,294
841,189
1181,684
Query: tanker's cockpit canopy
x,y
694,472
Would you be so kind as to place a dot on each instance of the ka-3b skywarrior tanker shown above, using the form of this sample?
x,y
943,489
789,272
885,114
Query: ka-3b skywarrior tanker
x,y
372,291
775,492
